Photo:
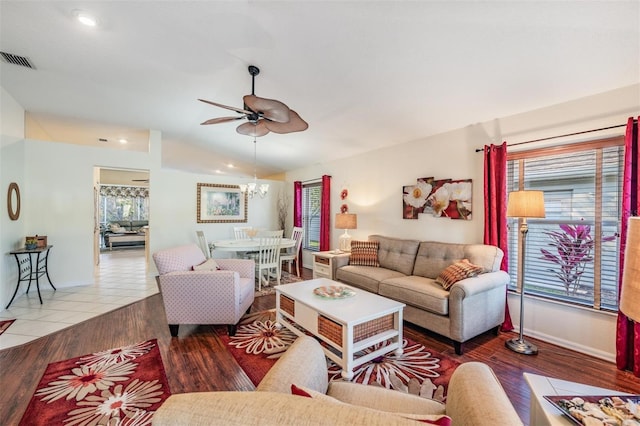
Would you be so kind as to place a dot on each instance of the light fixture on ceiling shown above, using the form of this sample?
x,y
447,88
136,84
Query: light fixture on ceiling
x,y
84,18
252,188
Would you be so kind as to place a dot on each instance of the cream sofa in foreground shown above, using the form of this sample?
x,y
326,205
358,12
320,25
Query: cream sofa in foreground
x,y
407,273
474,398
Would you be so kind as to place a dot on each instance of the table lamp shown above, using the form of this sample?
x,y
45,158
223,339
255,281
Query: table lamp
x,y
524,204
630,290
346,221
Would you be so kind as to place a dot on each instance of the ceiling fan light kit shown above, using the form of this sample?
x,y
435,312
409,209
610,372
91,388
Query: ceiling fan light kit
x,y
263,115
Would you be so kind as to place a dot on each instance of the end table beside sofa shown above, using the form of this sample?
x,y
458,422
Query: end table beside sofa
x,y
474,398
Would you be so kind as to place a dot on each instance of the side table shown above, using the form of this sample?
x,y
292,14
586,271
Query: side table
x,y
28,270
323,266
542,412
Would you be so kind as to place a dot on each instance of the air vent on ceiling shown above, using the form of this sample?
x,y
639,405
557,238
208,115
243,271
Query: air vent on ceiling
x,y
17,60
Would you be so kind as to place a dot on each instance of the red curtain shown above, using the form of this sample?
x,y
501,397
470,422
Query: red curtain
x,y
495,208
325,214
297,210
628,332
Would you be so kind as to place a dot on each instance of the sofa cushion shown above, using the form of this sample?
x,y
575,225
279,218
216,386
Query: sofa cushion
x,y
396,254
416,291
435,419
365,277
364,253
458,271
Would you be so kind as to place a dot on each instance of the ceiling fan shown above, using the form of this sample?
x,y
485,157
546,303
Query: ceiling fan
x,y
262,115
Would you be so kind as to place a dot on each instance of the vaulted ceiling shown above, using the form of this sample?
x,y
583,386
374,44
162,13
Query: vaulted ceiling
x,y
363,74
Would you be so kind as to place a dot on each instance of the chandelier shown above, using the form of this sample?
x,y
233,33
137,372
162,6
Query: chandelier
x,y
252,188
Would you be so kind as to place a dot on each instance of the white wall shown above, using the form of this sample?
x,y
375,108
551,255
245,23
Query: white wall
x,y
11,170
56,183
375,180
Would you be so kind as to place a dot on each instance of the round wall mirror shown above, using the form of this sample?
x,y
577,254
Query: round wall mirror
x,y
13,201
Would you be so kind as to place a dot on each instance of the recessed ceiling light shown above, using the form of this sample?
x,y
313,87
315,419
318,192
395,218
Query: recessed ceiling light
x,y
123,141
84,18
231,166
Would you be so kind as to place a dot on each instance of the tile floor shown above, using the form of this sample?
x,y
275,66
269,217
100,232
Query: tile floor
x,y
122,279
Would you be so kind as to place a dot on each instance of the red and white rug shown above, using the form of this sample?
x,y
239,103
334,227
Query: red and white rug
x,y
258,344
5,324
120,386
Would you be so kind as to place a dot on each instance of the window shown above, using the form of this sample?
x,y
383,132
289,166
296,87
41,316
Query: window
x,y
311,199
123,203
582,185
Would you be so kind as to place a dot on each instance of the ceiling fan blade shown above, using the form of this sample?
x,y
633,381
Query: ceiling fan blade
x,y
221,120
253,129
295,124
268,108
240,110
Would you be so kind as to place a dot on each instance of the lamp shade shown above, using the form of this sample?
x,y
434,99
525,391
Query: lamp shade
x,y
526,204
346,221
630,290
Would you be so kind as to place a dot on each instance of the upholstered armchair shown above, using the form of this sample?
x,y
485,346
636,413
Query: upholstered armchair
x,y
207,295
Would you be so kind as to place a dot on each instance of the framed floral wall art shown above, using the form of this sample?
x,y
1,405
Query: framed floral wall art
x,y
221,204
439,198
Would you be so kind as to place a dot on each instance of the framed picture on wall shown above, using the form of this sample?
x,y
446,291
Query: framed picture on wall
x,y
221,204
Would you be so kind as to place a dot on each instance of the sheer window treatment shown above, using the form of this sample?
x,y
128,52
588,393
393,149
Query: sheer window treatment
x,y
495,208
628,332
325,214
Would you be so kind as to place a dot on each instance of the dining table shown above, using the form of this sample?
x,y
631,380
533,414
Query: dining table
x,y
246,245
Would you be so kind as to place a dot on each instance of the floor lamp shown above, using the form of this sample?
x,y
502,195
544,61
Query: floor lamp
x,y
524,204
630,290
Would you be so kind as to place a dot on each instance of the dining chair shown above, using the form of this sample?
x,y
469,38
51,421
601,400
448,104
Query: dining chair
x,y
204,246
290,255
268,257
240,234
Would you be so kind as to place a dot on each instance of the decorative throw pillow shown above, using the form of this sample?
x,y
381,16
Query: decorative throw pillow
x,y
208,265
458,271
364,253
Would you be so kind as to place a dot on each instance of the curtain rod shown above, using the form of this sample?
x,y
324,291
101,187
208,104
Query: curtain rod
x,y
560,136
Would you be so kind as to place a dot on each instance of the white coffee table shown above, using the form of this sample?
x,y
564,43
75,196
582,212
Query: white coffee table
x,y
346,326
542,412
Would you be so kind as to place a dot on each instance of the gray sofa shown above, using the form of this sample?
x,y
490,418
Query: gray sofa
x,y
407,273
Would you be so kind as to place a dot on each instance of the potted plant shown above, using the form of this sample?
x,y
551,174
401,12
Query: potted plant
x,y
31,243
573,245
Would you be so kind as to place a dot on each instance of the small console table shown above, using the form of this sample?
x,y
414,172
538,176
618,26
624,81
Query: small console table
x,y
28,270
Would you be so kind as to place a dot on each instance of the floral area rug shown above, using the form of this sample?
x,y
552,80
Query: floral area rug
x,y
121,386
285,278
5,324
258,344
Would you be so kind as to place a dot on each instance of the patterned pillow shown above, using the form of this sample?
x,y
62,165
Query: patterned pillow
x,y
364,253
208,265
458,271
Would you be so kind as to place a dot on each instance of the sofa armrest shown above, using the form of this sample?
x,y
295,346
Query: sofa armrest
x,y
199,284
303,364
476,398
479,284
477,304
379,398
340,261
245,267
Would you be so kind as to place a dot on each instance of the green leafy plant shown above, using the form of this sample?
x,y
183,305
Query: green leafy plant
x,y
573,245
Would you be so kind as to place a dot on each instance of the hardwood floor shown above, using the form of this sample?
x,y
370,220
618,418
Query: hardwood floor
x,y
198,361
